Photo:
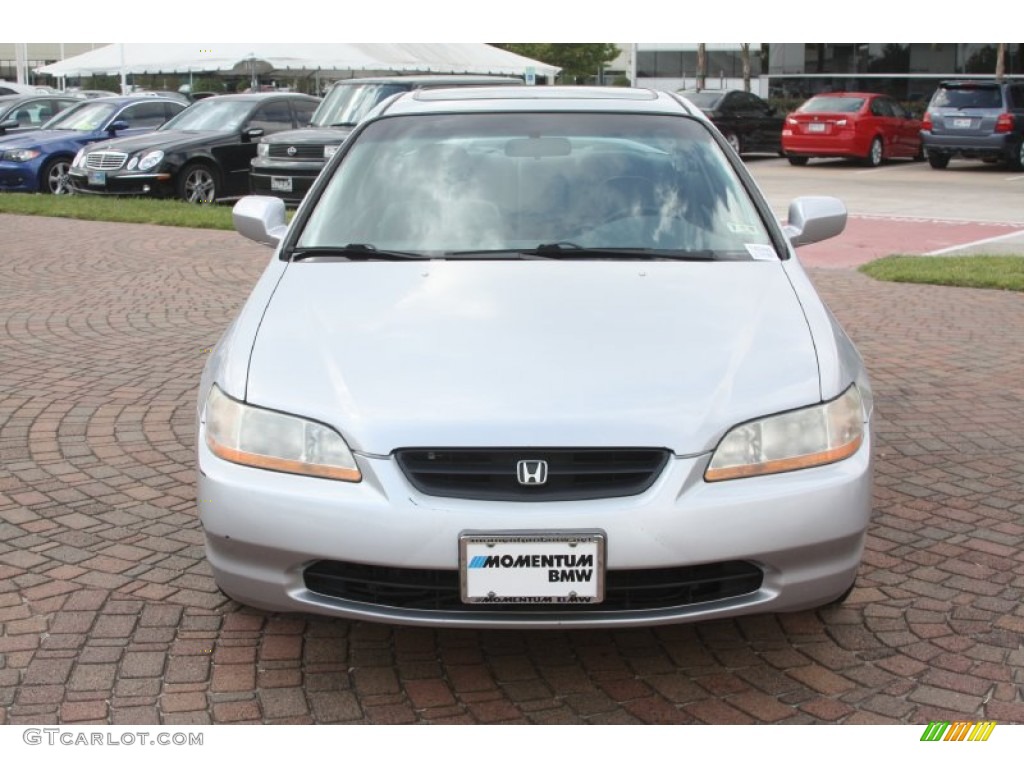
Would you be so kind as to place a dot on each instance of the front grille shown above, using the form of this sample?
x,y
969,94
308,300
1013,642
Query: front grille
x,y
626,590
105,161
302,151
572,473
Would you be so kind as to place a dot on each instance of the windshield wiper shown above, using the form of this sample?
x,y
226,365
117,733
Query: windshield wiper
x,y
355,252
567,250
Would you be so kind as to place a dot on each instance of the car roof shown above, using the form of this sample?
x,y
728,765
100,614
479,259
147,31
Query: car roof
x,y
260,96
529,98
429,80
848,95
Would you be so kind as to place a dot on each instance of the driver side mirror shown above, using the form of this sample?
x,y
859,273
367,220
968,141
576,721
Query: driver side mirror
x,y
251,133
813,219
260,218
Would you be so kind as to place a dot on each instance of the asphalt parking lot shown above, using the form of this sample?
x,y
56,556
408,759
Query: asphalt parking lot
x,y
108,613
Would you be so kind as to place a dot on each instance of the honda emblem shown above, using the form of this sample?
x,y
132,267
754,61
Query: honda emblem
x,y
532,472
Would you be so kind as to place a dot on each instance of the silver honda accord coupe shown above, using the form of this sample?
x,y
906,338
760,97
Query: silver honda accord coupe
x,y
535,357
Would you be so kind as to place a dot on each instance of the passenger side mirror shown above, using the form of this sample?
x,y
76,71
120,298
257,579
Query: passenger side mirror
x,y
260,218
117,125
7,124
813,219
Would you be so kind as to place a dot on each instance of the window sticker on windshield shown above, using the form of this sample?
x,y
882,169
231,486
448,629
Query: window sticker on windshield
x,y
739,228
760,252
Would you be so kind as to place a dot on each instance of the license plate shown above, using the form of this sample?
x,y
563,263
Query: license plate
x,y
962,122
815,127
97,178
281,183
531,567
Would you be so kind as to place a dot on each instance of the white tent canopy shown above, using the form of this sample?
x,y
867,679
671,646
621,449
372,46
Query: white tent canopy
x,y
263,58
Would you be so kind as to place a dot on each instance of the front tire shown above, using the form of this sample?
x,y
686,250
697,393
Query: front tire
x,y
797,160
198,183
54,179
936,160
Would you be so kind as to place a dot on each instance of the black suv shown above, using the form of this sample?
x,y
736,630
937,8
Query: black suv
x,y
287,163
975,119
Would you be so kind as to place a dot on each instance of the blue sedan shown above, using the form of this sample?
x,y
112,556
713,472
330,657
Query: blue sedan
x,y
38,161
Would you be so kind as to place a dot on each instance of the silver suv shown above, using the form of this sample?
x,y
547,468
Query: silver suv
x,y
288,163
974,119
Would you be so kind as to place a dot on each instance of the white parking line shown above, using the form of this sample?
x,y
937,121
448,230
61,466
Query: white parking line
x,y
950,249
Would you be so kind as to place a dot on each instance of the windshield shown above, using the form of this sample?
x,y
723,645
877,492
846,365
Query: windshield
x,y
703,99
495,182
348,104
89,116
833,104
210,115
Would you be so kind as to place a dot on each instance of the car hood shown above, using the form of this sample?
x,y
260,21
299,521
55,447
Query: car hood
x,y
39,138
531,353
165,140
311,136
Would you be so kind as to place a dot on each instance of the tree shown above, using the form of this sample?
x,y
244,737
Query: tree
x,y
577,60
745,60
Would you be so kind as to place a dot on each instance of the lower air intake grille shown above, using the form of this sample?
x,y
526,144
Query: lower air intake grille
x,y
628,590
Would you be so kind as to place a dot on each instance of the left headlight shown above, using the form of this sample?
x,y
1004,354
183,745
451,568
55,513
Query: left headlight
x,y
263,149
265,439
150,160
809,437
330,150
21,155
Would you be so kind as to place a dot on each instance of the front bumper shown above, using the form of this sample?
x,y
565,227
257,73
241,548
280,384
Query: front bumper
x,y
127,183
19,177
805,530
289,181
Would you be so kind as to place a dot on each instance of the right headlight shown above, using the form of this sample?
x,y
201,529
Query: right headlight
x,y
809,437
265,439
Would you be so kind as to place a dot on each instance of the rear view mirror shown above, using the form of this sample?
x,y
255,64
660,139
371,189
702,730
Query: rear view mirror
x,y
546,146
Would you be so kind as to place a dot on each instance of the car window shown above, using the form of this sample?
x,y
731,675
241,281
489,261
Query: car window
x,y
29,115
272,117
512,181
348,104
703,99
1017,96
145,115
881,108
211,114
968,97
750,103
832,104
90,116
304,110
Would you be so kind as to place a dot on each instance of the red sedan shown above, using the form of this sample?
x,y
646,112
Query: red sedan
x,y
871,127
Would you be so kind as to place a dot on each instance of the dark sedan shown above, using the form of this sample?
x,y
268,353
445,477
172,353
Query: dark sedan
x,y
201,156
28,113
748,122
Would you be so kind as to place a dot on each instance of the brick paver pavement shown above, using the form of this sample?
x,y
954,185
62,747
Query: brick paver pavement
x,y
108,613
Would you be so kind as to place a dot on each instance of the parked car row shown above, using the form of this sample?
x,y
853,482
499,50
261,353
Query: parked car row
x,y
145,144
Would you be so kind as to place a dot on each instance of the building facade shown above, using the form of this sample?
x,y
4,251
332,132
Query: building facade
x,y
906,71
18,60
